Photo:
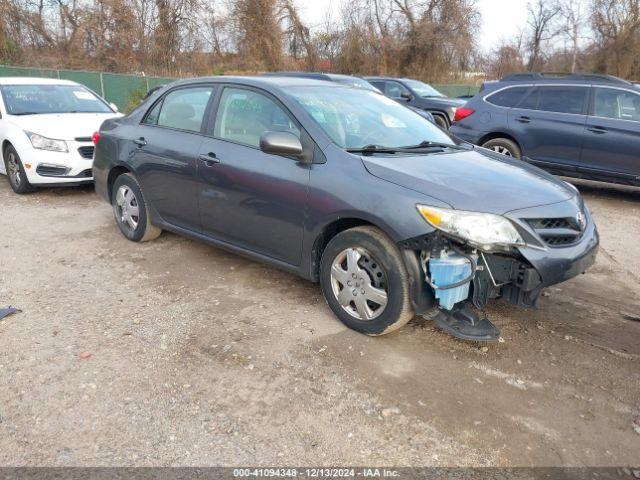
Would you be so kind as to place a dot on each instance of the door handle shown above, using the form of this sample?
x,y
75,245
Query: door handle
x,y
523,120
209,159
598,130
140,142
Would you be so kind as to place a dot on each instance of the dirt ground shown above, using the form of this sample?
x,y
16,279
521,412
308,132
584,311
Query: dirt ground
x,y
201,357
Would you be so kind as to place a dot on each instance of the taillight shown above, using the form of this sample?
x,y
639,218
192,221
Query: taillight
x,y
95,138
463,113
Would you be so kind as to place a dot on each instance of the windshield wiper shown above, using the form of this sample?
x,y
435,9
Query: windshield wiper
x,y
27,113
428,144
422,147
368,149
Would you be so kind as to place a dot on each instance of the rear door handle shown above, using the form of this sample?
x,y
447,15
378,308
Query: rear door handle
x,y
598,130
140,142
209,159
523,120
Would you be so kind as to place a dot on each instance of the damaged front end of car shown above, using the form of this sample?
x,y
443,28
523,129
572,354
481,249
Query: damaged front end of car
x,y
471,258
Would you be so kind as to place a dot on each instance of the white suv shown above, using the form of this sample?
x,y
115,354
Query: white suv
x,y
46,129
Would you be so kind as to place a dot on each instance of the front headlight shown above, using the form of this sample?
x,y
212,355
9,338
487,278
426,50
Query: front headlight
x,y
44,143
483,230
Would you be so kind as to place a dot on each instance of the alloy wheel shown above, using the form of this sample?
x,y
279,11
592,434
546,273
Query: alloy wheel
x,y
127,207
359,284
502,150
13,169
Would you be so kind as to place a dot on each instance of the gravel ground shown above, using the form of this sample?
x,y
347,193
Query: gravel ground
x,y
176,353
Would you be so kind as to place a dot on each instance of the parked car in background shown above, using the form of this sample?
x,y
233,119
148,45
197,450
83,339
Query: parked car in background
x,y
580,125
348,188
419,95
46,129
348,80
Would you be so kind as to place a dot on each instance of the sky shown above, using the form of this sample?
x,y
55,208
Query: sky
x,y
501,19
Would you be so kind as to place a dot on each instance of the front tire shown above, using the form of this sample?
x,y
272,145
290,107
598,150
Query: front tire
x,y
365,281
15,172
131,211
504,146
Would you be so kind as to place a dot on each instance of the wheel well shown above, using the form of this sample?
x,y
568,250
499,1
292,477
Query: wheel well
x,y
5,144
114,173
438,113
493,135
328,232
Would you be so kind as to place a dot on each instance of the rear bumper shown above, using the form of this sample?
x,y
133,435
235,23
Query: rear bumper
x,y
465,133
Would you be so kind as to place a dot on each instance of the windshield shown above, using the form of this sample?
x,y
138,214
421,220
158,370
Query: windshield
x,y
39,99
422,89
358,118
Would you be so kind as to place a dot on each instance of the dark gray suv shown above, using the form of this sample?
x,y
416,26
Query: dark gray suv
x,y
348,188
417,94
584,126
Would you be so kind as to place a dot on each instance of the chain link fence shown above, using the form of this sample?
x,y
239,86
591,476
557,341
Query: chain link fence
x,y
119,89
126,90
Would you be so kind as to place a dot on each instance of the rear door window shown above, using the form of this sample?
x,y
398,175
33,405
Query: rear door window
x,y
509,97
618,104
561,99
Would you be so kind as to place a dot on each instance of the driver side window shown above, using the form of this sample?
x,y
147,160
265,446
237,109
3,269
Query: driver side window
x,y
395,90
245,115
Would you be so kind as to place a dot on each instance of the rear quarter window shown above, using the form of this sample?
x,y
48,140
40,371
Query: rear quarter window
x,y
509,97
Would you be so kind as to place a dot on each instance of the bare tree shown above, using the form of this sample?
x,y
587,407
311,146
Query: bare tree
x,y
617,29
574,18
542,28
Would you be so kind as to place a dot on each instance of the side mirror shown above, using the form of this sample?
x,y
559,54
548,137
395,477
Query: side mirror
x,y
113,106
281,143
406,95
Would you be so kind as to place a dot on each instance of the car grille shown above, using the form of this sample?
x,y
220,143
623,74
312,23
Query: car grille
x,y
557,232
86,152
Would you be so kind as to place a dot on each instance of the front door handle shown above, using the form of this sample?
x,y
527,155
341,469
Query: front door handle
x,y
523,120
140,142
598,130
209,159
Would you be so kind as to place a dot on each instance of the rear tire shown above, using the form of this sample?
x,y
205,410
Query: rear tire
x,y
365,282
440,121
16,175
131,211
504,146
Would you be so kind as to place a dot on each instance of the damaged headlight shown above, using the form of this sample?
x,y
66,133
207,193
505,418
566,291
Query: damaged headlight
x,y
482,230
44,143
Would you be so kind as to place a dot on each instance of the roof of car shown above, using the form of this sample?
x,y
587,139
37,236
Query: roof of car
x,y
34,81
313,75
276,81
581,78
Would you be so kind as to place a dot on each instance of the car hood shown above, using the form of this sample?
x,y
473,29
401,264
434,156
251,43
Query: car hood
x,y
472,180
442,102
62,126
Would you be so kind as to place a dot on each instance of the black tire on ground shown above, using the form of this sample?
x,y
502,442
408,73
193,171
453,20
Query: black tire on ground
x,y
504,146
382,264
440,121
131,211
17,179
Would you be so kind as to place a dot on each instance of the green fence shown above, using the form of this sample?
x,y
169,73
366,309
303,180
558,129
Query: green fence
x,y
123,89
116,88
456,90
